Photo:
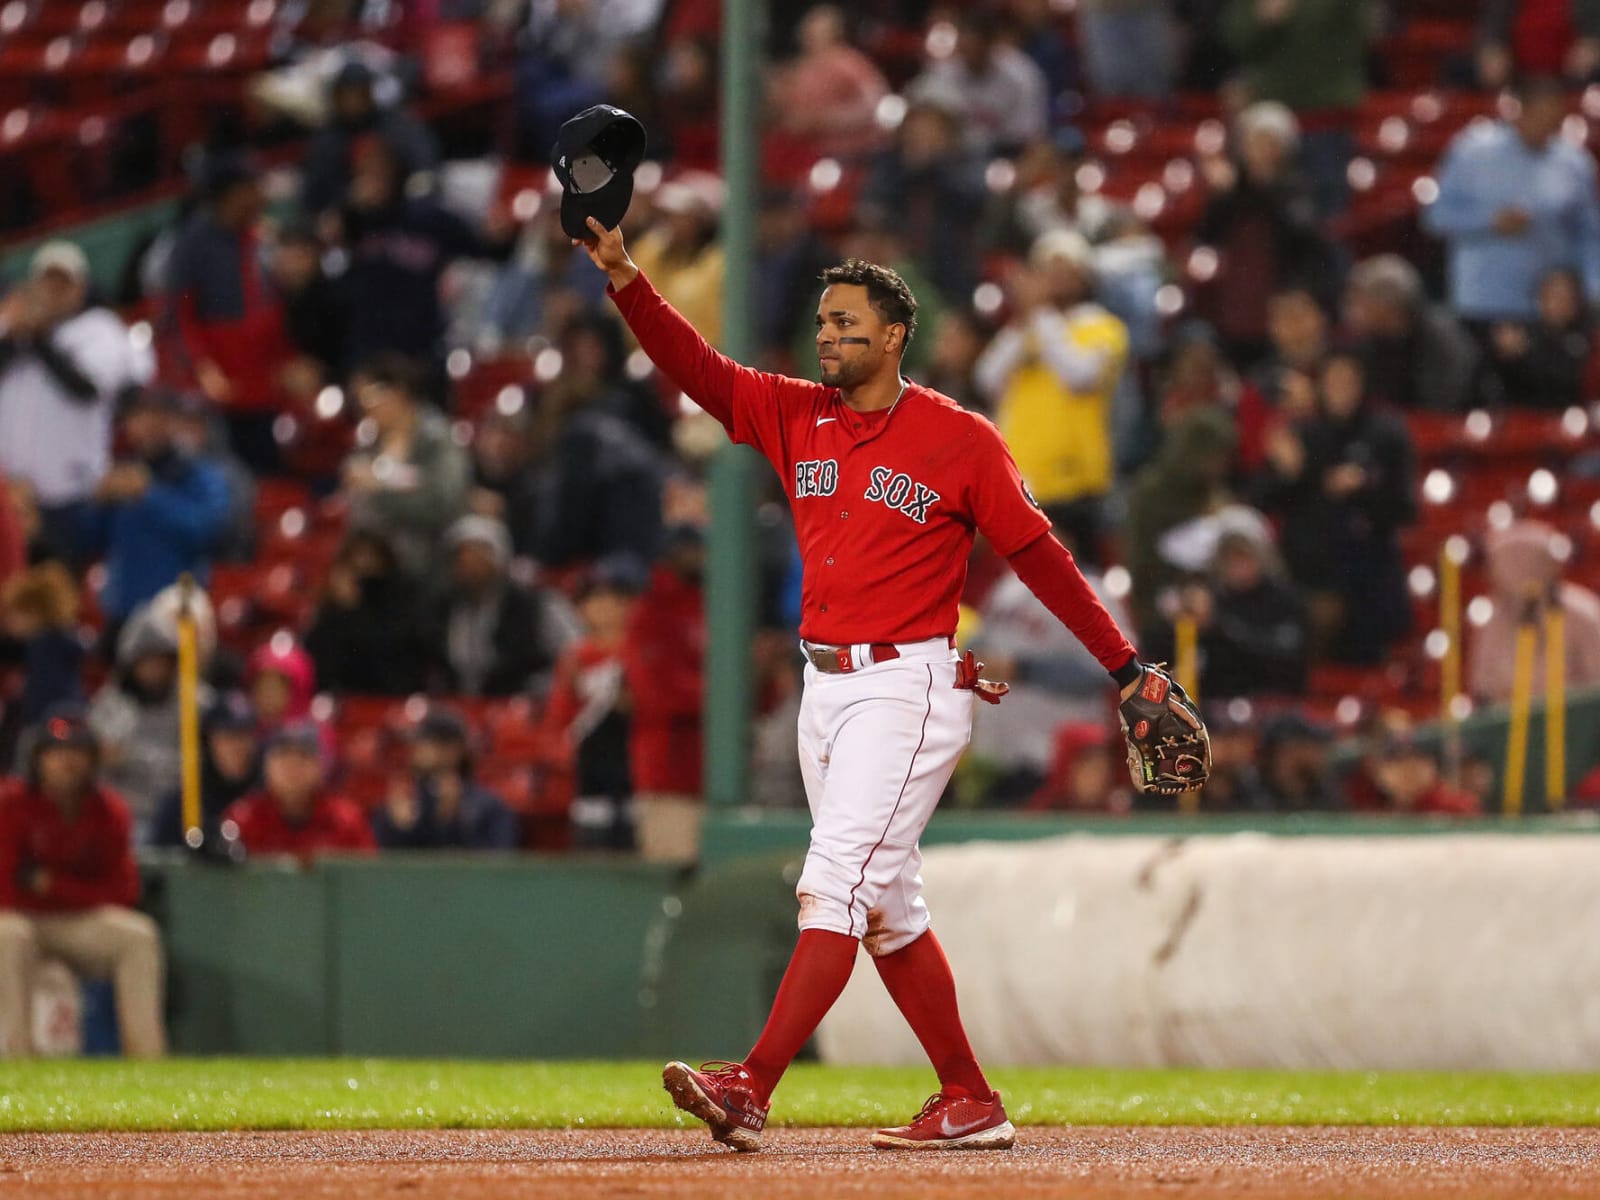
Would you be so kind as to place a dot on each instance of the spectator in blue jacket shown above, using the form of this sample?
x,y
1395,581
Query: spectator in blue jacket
x,y
156,514
441,806
1516,200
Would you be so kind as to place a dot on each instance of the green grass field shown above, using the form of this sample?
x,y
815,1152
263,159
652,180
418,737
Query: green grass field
x,y
221,1094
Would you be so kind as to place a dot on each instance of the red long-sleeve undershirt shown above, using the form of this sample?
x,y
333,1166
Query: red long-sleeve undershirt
x,y
1052,574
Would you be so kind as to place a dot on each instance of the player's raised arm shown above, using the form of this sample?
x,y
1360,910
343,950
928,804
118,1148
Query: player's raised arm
x,y
707,377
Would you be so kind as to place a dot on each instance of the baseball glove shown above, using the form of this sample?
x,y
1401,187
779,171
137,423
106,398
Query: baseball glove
x,y
969,677
1169,750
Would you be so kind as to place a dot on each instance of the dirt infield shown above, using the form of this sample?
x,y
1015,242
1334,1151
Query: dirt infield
x,y
1084,1163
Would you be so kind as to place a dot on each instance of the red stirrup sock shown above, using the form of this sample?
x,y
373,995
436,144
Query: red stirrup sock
x,y
817,973
918,978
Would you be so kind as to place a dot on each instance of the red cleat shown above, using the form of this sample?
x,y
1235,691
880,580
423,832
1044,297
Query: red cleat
x,y
952,1120
722,1095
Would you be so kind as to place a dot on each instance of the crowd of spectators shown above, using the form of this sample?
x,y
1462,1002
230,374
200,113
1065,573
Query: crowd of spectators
x,y
1241,460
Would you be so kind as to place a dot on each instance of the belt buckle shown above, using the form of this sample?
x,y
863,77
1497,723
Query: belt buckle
x,y
846,662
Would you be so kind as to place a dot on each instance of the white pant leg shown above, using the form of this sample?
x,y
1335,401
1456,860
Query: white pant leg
x,y
812,741
893,735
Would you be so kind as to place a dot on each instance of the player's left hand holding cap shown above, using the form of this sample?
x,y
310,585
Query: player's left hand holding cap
x,y
596,153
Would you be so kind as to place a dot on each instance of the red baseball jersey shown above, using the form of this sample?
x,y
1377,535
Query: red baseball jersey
x,y
885,504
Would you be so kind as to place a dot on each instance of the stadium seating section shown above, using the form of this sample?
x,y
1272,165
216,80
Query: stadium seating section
x,y
75,77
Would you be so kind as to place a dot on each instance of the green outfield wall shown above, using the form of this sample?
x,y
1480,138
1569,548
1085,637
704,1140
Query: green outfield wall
x,y
510,958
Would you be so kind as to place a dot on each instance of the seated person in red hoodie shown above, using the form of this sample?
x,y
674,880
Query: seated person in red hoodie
x,y
67,886
294,812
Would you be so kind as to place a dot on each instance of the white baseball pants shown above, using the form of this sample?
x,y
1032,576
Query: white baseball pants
x,y
877,746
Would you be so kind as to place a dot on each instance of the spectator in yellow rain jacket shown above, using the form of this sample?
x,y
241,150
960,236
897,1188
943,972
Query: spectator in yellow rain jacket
x,y
1051,375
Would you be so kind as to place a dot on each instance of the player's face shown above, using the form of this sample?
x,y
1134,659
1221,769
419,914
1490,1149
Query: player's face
x,y
853,343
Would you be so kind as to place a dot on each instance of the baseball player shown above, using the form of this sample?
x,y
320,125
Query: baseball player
x,y
888,481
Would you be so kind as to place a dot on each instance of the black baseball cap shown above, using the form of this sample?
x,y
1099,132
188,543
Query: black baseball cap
x,y
595,155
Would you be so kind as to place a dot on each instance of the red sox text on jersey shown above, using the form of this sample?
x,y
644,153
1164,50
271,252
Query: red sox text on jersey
x,y
886,504
894,488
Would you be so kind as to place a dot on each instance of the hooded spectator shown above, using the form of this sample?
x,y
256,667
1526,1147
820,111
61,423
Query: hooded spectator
x,y
441,806
1002,95
294,811
828,94
1252,623
410,483
1187,479
229,317
39,637
1262,222
354,113
68,883
281,681
1525,563
1516,200
230,767
1416,355
664,670
63,363
364,636
1342,482
1296,775
1543,364
489,635
930,186
399,247
157,514
586,719
135,716
1407,775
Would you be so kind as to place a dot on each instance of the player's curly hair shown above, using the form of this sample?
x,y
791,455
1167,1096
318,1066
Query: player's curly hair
x,y
888,294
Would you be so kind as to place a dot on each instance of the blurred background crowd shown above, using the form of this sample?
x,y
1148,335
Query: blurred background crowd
x,y
1271,298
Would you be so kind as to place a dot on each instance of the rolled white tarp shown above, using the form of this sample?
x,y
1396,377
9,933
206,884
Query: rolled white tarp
x,y
1453,951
